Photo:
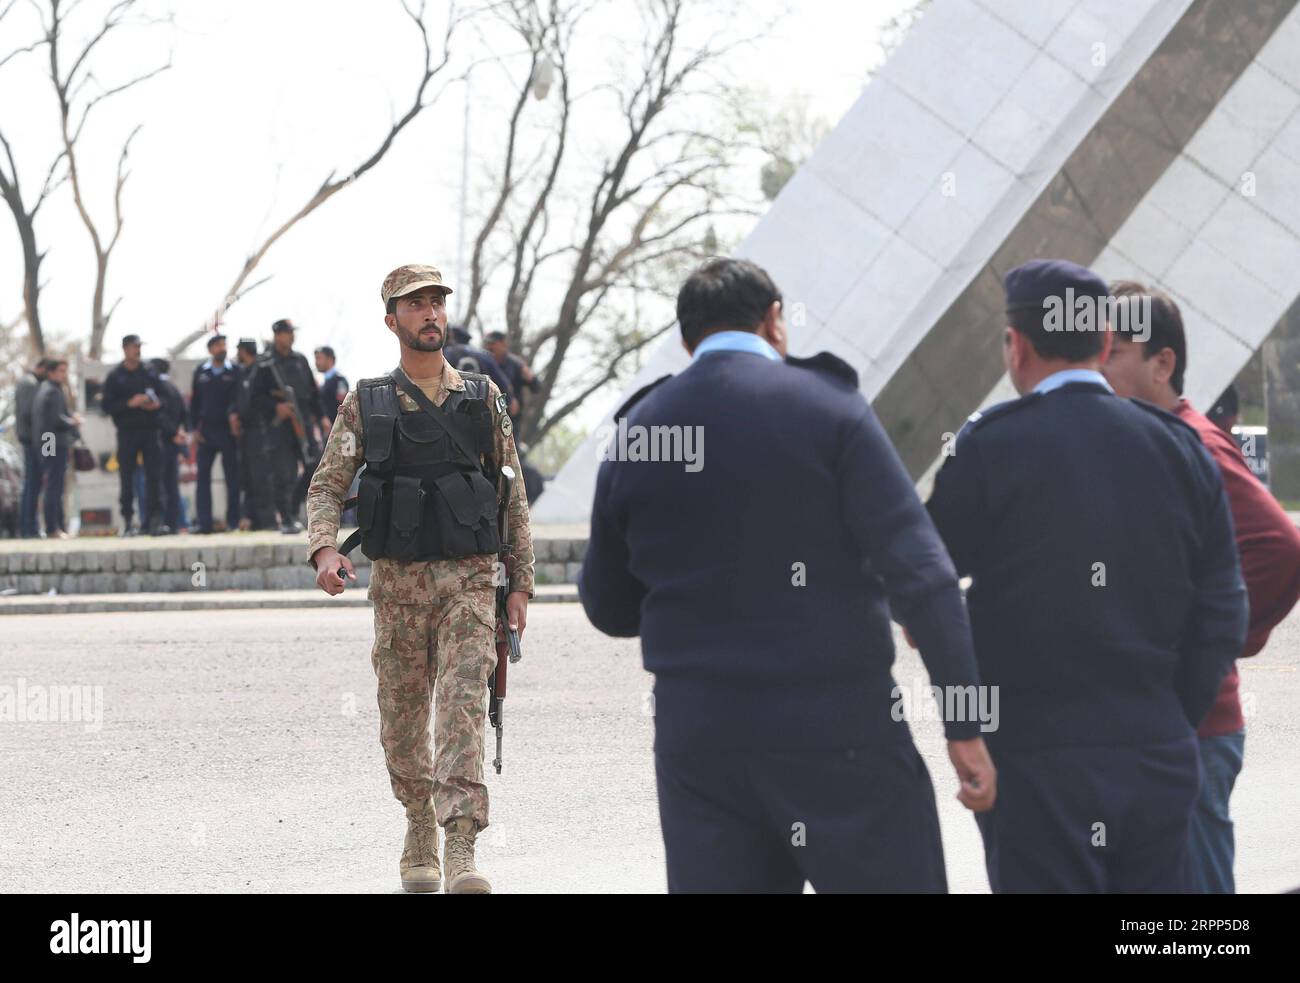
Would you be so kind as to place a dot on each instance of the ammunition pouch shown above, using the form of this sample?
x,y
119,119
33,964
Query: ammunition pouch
x,y
422,496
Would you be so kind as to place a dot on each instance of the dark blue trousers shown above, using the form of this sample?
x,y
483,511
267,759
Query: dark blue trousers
x,y
1211,848
140,443
255,477
171,484
53,470
769,821
29,527
1091,820
214,443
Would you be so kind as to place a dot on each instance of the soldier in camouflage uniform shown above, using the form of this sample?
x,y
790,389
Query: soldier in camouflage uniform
x,y
434,620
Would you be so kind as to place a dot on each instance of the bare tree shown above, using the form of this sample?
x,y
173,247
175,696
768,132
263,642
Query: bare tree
x,y
24,215
72,85
588,277
332,184
12,365
783,131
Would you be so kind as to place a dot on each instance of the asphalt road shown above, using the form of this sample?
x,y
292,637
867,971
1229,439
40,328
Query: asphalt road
x,y
238,751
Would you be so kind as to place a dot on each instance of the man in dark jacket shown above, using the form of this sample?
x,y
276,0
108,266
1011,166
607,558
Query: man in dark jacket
x,y
24,398
175,444
279,371
466,358
515,368
256,503
211,394
1106,599
333,387
130,397
54,431
761,586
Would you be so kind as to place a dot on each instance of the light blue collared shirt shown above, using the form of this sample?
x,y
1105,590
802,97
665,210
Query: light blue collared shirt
x,y
1058,379
330,373
736,341
209,364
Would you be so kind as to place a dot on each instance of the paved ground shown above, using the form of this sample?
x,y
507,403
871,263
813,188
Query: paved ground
x,y
238,752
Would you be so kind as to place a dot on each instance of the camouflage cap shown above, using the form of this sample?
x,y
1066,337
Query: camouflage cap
x,y
407,279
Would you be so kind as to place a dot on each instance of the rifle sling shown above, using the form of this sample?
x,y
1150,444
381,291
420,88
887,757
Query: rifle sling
x,y
446,420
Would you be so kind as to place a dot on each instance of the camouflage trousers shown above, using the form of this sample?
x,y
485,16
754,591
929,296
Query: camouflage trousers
x,y
440,653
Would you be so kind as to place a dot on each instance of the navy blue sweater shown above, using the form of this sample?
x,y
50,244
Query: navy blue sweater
x,y
797,474
1106,597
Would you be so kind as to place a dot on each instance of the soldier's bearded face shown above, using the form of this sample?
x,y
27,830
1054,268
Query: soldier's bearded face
x,y
422,321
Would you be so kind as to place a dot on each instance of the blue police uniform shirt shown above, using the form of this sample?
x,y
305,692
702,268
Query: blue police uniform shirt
x,y
736,341
1029,518
213,367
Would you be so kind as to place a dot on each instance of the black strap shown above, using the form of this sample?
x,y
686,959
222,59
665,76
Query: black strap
x,y
351,542
437,412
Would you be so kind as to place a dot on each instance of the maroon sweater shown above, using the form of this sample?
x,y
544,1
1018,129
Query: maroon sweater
x,y
1269,543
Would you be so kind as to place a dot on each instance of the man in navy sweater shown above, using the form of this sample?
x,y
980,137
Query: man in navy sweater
x,y
211,395
1106,600
759,569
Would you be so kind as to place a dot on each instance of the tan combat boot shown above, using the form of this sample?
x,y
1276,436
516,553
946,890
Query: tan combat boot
x,y
458,859
420,871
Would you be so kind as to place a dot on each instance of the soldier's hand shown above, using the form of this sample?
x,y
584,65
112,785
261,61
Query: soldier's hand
x,y
283,411
517,611
979,779
328,560
234,424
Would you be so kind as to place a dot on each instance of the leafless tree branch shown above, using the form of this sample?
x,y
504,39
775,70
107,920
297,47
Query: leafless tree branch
x,y
333,185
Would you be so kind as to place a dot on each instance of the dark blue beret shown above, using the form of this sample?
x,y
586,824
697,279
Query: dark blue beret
x,y
1029,284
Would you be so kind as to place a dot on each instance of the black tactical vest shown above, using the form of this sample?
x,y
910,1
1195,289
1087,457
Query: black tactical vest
x,y
423,493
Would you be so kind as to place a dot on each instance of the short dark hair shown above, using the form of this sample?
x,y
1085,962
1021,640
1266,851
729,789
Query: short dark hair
x,y
1071,346
391,306
53,363
492,336
327,351
724,293
1166,325
42,364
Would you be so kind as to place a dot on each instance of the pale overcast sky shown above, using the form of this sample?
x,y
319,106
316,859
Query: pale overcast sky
x,y
265,98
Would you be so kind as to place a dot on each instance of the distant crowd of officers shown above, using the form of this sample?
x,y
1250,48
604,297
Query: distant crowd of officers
x,y
264,415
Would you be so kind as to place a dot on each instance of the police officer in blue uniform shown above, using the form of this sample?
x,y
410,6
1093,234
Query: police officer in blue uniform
x,y
1106,601
333,386
212,392
248,411
465,357
759,566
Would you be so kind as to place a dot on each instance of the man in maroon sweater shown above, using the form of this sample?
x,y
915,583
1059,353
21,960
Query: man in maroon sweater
x,y
1269,543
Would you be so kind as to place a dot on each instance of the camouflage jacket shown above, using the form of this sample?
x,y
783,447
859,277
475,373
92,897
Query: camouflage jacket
x,y
421,582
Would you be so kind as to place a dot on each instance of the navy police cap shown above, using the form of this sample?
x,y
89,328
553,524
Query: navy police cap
x,y
1029,284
